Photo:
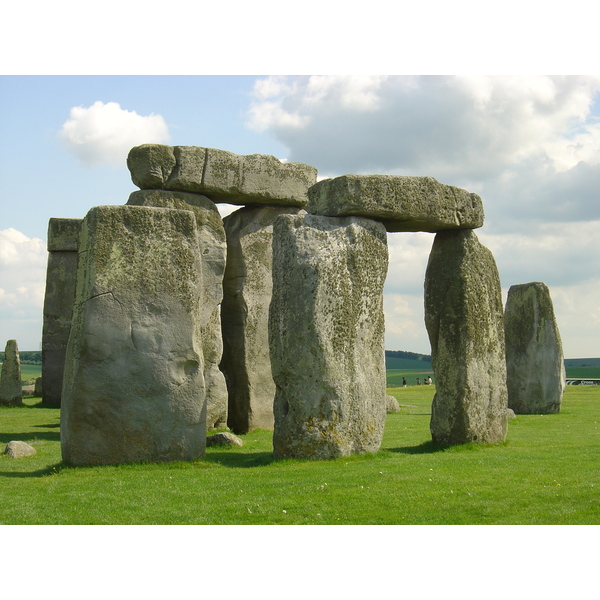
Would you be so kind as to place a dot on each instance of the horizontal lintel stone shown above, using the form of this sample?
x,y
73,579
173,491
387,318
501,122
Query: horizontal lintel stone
x,y
401,203
220,175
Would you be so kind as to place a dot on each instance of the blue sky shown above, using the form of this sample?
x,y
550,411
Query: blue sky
x,y
529,145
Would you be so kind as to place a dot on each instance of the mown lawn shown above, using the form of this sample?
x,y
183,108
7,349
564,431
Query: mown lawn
x,y
547,472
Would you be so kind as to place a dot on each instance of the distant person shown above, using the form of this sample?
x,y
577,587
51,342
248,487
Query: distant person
x,y
418,381
428,381
404,384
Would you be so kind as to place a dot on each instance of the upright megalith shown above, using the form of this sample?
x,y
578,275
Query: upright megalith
x,y
247,290
134,385
464,319
401,203
221,175
61,281
535,364
213,248
11,393
326,330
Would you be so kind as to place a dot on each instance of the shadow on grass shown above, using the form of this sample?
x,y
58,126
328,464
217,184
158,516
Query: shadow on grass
x,y
424,448
238,460
49,470
29,436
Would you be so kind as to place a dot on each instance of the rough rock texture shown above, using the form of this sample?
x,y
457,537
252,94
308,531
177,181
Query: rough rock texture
x,y
534,357
220,175
18,449
326,330
223,439
391,404
134,384
211,239
400,203
11,393
463,315
38,389
247,289
61,281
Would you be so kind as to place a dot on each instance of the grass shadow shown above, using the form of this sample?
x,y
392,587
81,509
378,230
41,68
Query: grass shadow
x,y
428,447
29,436
49,470
238,460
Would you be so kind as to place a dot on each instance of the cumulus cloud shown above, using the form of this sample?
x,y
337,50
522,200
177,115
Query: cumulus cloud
x,y
23,263
528,145
103,134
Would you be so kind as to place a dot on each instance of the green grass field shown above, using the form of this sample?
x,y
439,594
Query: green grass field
x,y
547,472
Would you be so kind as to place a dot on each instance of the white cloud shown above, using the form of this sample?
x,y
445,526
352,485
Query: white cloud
x,y
104,133
23,263
528,145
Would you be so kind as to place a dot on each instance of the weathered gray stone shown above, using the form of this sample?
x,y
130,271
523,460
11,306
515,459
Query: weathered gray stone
x,y
18,449
400,203
211,239
61,281
510,414
220,175
534,357
11,393
223,439
247,289
134,386
38,389
391,404
463,315
326,330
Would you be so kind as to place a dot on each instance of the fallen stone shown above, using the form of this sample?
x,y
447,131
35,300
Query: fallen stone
x,y
18,449
220,175
464,319
61,281
400,203
534,357
28,390
326,331
134,386
223,439
247,290
510,414
391,405
11,393
213,249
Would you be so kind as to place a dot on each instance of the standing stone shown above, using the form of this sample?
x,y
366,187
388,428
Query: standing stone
x,y
211,239
535,363
61,281
11,393
247,288
326,330
38,389
463,315
134,384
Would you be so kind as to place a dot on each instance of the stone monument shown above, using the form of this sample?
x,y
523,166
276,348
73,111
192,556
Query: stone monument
x,y
11,393
534,358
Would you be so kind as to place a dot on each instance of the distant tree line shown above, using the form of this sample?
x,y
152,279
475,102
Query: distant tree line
x,y
410,355
27,357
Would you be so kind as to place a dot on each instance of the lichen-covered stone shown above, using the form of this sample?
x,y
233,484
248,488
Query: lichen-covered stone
x,y
464,319
63,235
247,288
223,438
11,393
221,175
134,384
534,357
213,248
19,449
400,203
61,281
391,404
326,330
